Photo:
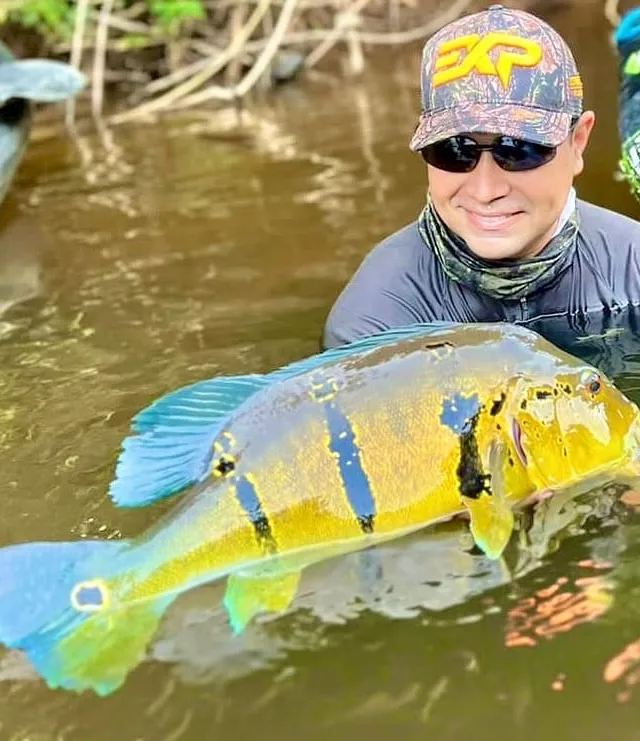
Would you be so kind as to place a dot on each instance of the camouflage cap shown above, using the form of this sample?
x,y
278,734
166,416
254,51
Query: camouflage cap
x,y
499,71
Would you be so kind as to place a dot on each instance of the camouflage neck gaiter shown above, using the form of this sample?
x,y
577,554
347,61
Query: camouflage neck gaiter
x,y
502,279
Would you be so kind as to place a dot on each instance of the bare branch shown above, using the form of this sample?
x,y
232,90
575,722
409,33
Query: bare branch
x,y
224,57
76,55
213,67
99,58
611,12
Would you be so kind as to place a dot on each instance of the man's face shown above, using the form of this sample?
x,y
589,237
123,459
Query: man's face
x,y
509,215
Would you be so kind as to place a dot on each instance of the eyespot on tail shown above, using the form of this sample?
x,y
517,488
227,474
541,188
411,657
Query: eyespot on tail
x,y
102,650
54,608
36,580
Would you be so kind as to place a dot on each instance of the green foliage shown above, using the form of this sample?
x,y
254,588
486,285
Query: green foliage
x,y
171,14
54,19
48,17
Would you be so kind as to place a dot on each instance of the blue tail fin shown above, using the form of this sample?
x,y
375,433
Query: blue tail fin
x,y
58,605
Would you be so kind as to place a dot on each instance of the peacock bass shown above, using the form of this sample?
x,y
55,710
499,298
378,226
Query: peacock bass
x,y
328,455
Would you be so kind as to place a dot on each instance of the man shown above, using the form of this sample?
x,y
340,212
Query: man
x,y
502,236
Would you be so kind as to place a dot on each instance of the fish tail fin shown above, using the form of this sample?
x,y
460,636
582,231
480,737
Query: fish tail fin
x,y
57,605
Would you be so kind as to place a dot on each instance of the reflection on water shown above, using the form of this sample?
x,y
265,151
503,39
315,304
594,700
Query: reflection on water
x,y
137,260
609,342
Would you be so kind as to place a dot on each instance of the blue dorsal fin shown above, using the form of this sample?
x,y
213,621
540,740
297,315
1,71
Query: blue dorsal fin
x,y
200,404
372,342
172,447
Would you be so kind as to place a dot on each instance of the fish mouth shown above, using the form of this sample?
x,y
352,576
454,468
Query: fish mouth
x,y
516,432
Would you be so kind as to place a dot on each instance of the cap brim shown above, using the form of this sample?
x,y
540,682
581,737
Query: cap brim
x,y
521,122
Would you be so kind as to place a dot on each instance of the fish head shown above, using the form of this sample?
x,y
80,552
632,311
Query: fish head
x,y
573,425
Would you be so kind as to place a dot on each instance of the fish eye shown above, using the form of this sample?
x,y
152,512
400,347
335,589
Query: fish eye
x,y
592,381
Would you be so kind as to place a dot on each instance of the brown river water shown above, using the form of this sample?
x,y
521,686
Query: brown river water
x,y
149,257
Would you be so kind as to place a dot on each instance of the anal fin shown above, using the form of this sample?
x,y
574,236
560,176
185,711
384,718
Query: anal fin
x,y
248,595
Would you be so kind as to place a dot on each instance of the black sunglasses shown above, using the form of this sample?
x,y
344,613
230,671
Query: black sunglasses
x,y
462,153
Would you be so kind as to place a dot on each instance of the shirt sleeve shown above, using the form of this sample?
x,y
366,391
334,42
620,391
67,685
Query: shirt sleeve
x,y
610,253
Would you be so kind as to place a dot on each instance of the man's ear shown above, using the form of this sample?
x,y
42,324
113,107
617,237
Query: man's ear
x,y
580,138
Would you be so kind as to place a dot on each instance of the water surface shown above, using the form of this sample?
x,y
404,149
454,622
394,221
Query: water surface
x,y
145,258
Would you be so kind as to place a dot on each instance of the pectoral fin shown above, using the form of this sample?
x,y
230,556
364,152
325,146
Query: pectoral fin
x,y
491,523
248,595
491,516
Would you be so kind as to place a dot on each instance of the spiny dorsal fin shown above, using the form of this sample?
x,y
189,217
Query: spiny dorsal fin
x,y
173,445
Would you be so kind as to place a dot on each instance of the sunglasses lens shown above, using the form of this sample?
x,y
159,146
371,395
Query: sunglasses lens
x,y
462,153
456,154
515,155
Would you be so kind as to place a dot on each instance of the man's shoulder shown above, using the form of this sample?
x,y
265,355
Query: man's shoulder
x,y
394,265
400,247
389,289
597,222
608,258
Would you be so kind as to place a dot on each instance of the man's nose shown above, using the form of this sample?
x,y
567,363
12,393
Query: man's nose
x,y
487,181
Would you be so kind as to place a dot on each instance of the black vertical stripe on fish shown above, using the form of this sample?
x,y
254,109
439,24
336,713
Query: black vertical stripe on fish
x,y
497,405
354,478
460,414
247,496
471,477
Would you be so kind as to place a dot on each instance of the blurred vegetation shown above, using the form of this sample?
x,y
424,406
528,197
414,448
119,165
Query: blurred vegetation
x,y
144,57
55,19
165,55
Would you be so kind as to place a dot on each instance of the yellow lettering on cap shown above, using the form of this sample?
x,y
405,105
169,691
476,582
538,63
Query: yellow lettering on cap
x,y
449,66
575,85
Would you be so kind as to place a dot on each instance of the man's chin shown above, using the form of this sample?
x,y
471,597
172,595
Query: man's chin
x,y
496,248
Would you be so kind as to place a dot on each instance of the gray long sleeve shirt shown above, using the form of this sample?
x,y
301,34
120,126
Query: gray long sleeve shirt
x,y
401,282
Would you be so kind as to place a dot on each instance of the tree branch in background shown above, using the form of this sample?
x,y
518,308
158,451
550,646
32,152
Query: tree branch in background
x,y
176,54
611,12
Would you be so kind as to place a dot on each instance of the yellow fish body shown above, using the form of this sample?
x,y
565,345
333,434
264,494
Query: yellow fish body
x,y
329,455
